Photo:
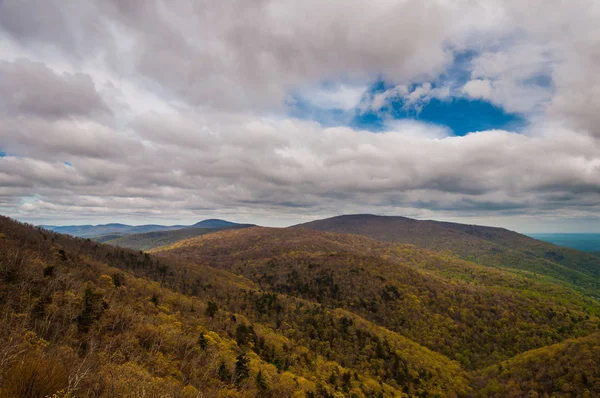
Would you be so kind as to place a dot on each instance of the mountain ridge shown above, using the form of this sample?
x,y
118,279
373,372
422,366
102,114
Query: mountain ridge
x,y
491,246
150,240
91,231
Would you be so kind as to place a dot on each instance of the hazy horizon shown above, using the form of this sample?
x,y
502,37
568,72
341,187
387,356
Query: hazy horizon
x,y
190,222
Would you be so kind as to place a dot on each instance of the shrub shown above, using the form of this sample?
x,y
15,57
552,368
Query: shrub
x,y
34,377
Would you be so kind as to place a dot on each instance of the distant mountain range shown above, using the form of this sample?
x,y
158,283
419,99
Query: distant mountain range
x,y
105,232
151,240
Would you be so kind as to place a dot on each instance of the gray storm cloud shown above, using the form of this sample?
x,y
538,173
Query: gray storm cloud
x,y
31,88
170,110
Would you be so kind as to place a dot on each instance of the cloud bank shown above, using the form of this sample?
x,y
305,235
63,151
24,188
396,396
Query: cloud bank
x,y
173,111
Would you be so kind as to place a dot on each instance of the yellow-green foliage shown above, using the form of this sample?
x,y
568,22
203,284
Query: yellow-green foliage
x,y
489,246
566,369
72,332
474,314
315,314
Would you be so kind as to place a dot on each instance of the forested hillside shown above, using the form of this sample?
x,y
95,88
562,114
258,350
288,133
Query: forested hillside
x,y
490,246
566,369
85,319
265,312
151,240
474,315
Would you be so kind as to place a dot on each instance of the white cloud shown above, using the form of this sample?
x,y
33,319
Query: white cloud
x,y
288,166
413,99
342,96
239,54
479,89
379,100
424,93
176,109
515,77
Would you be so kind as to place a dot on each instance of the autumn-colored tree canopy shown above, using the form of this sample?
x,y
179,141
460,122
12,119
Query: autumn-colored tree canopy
x,y
265,312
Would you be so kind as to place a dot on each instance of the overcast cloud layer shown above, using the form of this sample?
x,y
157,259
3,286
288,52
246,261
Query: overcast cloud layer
x,y
174,111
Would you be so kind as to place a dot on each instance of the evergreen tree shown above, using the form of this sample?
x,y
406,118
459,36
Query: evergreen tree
x,y
211,309
333,378
244,334
223,373
93,306
85,318
261,382
202,341
242,370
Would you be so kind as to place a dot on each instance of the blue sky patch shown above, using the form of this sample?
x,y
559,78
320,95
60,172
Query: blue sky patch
x,y
460,114
372,121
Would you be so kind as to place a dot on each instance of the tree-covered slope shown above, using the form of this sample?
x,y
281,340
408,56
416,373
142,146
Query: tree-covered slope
x,y
84,319
496,247
151,240
265,312
476,315
567,369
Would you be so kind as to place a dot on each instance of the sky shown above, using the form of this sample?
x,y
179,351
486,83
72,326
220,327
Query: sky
x,y
279,112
